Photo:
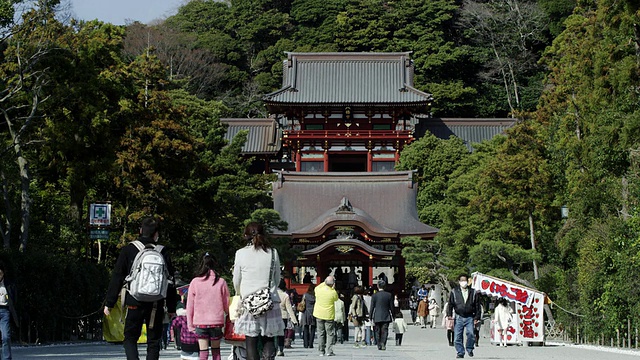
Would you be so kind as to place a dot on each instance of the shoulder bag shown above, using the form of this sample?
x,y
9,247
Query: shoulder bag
x,y
259,302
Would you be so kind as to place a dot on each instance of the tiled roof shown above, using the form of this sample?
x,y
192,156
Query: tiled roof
x,y
348,78
385,203
263,138
470,130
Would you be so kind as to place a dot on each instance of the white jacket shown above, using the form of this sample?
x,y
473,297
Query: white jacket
x,y
251,271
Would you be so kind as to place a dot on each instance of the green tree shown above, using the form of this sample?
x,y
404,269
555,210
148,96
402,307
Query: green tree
x,y
511,31
590,116
25,76
435,160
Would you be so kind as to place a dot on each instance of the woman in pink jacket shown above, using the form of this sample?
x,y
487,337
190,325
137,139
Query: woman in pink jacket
x,y
207,306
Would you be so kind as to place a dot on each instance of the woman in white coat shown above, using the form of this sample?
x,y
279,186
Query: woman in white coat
x,y
502,320
257,266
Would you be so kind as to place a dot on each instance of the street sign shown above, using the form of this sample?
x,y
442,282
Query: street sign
x,y
100,214
99,234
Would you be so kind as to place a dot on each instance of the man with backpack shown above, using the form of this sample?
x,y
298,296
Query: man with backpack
x,y
145,270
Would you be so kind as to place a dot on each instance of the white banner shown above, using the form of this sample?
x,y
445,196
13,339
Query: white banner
x,y
498,288
529,316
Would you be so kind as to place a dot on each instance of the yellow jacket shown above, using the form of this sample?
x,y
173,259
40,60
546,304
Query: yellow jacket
x,y
325,302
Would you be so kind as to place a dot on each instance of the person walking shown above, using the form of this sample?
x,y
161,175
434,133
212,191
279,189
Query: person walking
x,y
189,348
448,323
288,316
307,320
502,320
7,310
413,308
256,268
477,325
399,327
381,314
207,306
423,312
464,301
368,324
433,312
325,312
141,312
423,292
357,315
339,319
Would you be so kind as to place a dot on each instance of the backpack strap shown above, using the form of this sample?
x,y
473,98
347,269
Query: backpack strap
x,y
123,292
138,244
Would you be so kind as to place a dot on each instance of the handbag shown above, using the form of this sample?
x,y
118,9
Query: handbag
x,y
302,305
450,323
230,334
259,302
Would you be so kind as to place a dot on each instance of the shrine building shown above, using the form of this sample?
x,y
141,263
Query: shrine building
x,y
334,135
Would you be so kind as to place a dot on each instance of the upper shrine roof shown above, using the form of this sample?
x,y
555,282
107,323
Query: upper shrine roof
x,y
384,203
348,78
263,138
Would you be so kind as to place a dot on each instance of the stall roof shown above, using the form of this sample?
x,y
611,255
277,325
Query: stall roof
x,y
498,288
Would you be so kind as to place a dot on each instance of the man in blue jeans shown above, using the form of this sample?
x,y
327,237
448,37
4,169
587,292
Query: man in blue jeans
x,y
464,300
7,311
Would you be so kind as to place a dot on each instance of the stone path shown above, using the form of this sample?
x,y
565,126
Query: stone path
x,y
418,344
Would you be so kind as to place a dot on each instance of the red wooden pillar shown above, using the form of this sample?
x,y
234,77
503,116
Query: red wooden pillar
x,y
369,161
402,270
298,160
288,280
326,161
319,270
370,270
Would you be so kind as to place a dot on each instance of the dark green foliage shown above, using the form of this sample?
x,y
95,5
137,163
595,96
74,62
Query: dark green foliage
x,y
54,293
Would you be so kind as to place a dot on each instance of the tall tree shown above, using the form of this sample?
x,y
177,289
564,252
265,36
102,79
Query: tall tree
x,y
25,76
512,31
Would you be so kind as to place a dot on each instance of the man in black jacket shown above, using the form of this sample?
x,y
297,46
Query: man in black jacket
x,y
464,300
138,313
381,315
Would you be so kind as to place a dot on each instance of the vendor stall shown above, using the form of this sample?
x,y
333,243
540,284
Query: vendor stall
x,y
527,325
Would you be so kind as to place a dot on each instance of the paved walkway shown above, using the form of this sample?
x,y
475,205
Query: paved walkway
x,y
418,344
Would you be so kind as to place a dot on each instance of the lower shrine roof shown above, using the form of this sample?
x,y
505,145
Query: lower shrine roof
x,y
383,202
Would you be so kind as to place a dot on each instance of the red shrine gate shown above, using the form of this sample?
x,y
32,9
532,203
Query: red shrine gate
x,y
345,119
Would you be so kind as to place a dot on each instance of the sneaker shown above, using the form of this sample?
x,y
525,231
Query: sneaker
x,y
321,354
459,356
280,353
470,353
331,354
356,345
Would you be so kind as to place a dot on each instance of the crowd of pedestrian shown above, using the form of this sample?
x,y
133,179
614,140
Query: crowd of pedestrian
x,y
270,315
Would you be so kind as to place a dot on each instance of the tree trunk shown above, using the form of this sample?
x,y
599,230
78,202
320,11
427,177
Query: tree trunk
x,y
625,199
516,95
516,278
25,179
504,77
533,245
6,232
25,203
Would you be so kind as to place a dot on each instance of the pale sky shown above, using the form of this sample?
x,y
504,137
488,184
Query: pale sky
x,y
120,11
